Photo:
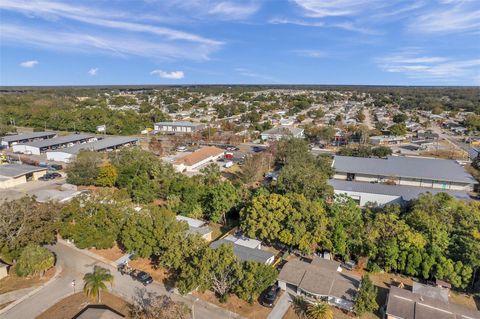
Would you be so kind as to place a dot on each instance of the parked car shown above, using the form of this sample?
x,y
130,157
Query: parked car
x,y
270,296
50,176
136,274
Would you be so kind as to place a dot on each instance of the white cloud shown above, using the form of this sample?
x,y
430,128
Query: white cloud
x,y
175,75
453,16
117,45
233,10
253,74
297,22
218,9
311,53
93,71
415,65
322,8
29,64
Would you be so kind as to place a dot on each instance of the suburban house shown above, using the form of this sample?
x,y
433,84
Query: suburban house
x,y
16,174
10,140
38,147
246,249
423,303
178,127
198,158
196,226
320,279
110,143
408,171
277,133
383,194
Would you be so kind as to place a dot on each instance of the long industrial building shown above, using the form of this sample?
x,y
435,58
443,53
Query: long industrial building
x,y
10,140
68,154
178,127
408,171
38,147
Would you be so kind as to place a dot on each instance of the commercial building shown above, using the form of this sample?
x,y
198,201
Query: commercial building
x,y
246,249
383,194
16,174
277,133
26,137
38,147
198,158
320,280
408,171
178,127
387,140
422,304
111,143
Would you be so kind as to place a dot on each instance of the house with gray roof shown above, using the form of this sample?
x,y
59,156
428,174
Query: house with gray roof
x,y
279,132
41,146
406,304
16,174
197,226
320,279
409,171
10,140
246,249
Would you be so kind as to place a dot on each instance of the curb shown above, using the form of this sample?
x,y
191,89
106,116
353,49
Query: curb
x,y
58,270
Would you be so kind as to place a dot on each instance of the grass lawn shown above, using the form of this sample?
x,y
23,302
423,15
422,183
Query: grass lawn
x,y
68,307
13,282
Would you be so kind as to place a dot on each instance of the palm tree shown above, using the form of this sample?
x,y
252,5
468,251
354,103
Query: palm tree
x,y
95,282
320,310
300,305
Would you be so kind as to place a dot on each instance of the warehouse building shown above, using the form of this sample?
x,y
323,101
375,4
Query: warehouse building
x,y
16,174
68,154
384,194
178,127
26,138
408,171
38,147
198,158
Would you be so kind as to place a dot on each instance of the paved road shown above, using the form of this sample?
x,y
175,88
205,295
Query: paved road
x,y
75,264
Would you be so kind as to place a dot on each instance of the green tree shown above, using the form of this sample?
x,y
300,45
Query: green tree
x,y
365,300
218,200
107,176
299,305
320,310
254,278
95,283
398,129
85,168
34,260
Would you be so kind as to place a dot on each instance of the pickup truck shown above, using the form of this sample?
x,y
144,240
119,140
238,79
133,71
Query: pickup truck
x,y
136,274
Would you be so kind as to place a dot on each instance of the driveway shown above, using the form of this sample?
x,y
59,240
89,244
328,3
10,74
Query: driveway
x,y
74,264
281,307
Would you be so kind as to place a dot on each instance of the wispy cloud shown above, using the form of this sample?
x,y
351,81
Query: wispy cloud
x,y
322,8
93,71
253,74
296,22
29,64
449,17
234,10
117,45
175,75
310,53
414,64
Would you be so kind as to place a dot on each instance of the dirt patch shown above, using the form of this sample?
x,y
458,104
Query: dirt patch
x,y
70,306
158,274
13,282
111,254
337,314
463,299
237,305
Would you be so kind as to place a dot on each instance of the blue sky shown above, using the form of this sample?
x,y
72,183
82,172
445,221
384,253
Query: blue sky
x,y
384,42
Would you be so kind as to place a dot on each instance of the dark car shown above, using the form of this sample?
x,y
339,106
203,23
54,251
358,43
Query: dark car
x,y
142,277
50,176
270,296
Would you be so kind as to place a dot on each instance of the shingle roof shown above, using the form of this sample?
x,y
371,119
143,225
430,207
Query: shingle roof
x,y
406,192
400,166
59,140
199,155
26,136
16,170
408,305
284,130
244,253
320,277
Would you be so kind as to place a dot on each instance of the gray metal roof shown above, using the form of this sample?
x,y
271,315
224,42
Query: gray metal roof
x,y
400,166
406,192
26,136
182,123
59,140
245,253
100,145
16,170
284,130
